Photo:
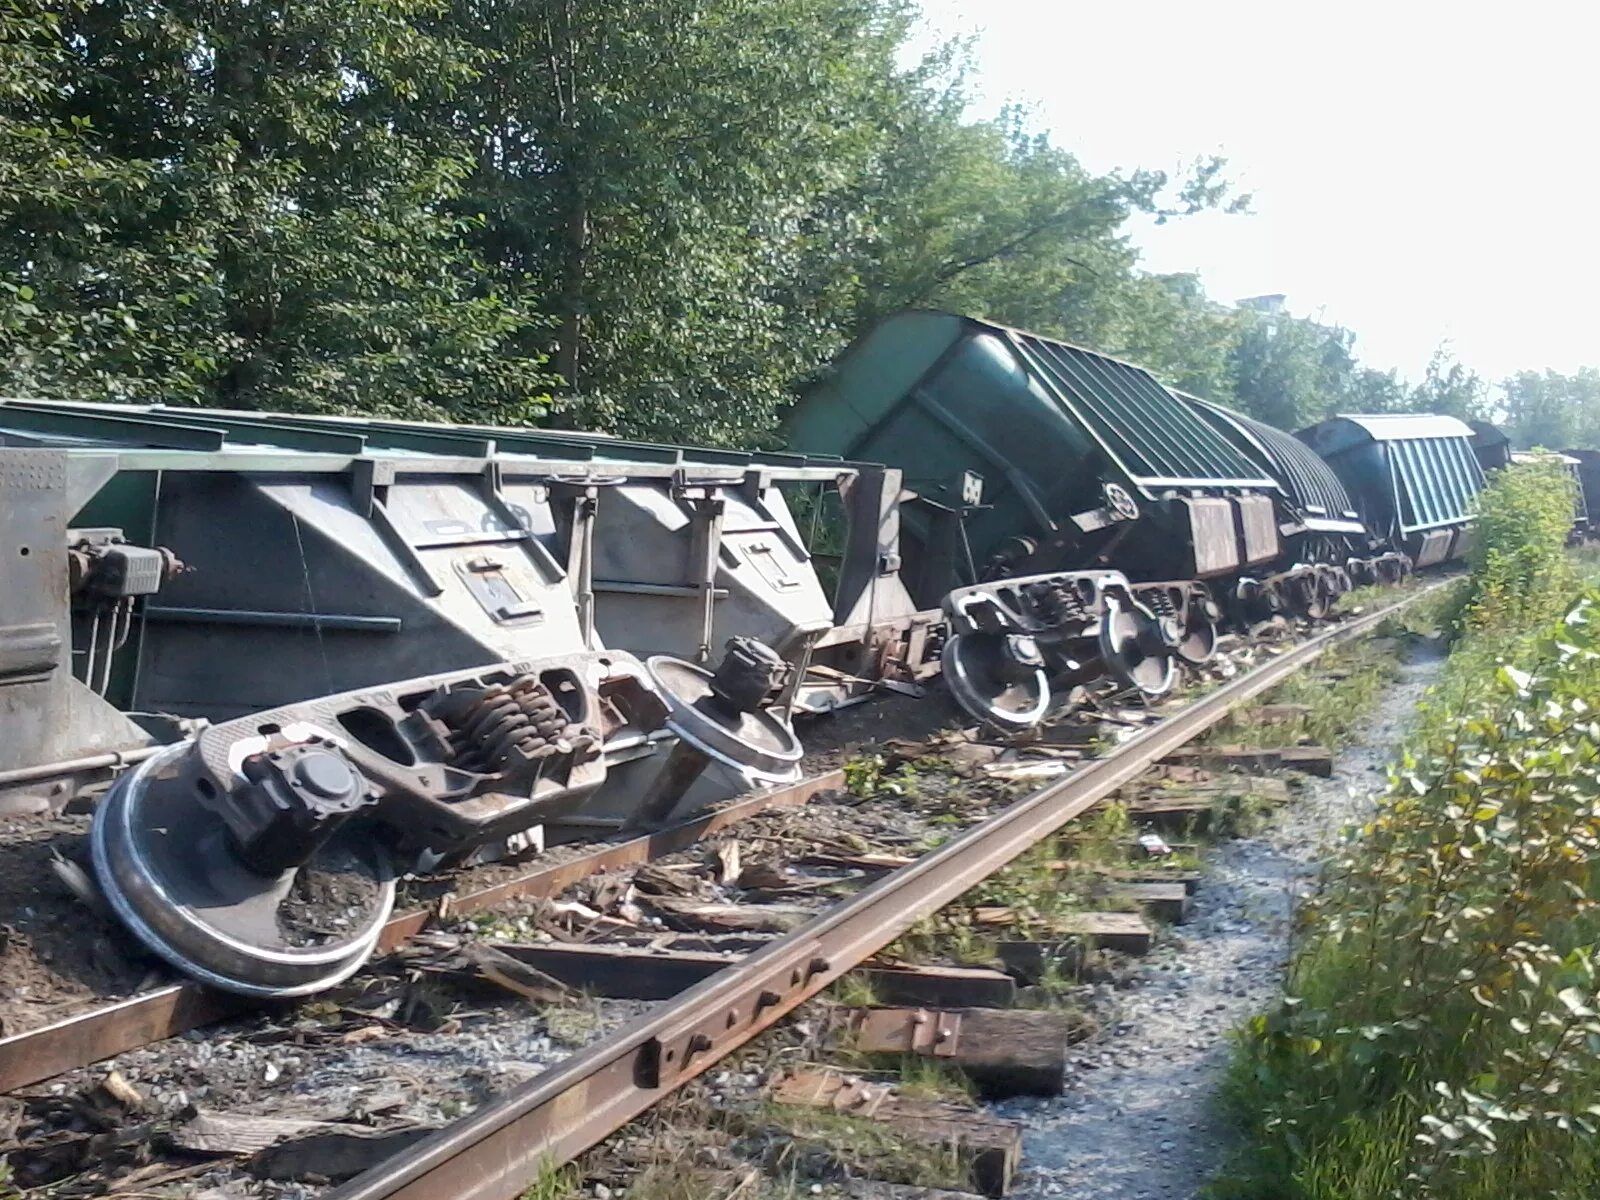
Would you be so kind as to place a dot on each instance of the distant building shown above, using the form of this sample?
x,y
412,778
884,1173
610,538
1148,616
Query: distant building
x,y
1271,305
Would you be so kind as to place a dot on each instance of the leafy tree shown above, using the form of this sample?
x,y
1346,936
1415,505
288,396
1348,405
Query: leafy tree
x,y
651,178
1554,410
248,227
1291,372
1450,388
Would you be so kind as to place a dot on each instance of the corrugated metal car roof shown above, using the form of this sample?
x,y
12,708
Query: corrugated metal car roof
x,y
1159,440
1390,427
201,431
1311,483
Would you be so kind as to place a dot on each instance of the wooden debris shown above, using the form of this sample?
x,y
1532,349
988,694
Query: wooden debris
x,y
238,1134
500,968
1026,772
335,1153
119,1091
988,1148
1167,902
728,864
870,863
1197,803
1127,932
1188,877
733,918
1005,1052
639,973
665,879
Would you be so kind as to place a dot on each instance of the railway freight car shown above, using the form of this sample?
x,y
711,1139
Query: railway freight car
x,y
1412,477
1077,518
1028,455
340,649
205,565
1491,445
1321,527
1586,467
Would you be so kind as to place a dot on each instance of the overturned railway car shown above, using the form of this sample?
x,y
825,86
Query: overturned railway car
x,y
1029,455
341,650
174,564
1413,478
1076,517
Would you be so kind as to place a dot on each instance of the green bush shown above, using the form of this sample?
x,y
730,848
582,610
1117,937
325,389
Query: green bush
x,y
1521,574
1443,1032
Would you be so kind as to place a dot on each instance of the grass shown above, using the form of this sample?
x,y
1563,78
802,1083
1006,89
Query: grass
x,y
555,1183
574,1024
819,1143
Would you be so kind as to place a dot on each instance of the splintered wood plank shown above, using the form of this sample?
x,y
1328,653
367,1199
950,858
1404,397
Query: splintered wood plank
x,y
1005,1052
729,918
233,1133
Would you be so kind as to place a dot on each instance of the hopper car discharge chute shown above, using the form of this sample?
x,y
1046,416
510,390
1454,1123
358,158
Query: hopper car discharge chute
x,y
638,622
1413,479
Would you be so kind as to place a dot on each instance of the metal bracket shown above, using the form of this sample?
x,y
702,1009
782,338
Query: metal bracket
x,y
930,1032
683,1050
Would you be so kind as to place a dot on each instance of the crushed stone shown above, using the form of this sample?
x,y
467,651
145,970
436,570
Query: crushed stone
x,y
1140,1119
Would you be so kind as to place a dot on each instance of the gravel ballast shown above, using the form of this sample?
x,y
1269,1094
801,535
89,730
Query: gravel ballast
x,y
1140,1119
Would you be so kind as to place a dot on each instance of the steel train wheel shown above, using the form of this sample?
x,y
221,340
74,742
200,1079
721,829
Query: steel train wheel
x,y
991,684
1137,648
165,865
1198,643
756,742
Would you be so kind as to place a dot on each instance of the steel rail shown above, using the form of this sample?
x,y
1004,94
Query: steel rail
x,y
100,1033
495,1153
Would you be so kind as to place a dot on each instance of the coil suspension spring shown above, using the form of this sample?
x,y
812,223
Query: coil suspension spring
x,y
1058,603
1158,601
492,729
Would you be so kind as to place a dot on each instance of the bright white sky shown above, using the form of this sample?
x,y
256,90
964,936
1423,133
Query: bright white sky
x,y
1422,171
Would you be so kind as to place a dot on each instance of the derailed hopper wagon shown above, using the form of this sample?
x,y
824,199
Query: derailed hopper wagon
x,y
1102,499
1327,545
1413,478
413,644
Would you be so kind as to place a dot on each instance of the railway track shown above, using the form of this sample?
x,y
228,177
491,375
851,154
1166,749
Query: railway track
x,y
500,1148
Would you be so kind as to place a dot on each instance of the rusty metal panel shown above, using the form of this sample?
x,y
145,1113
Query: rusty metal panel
x,y
1258,529
931,1032
1211,525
